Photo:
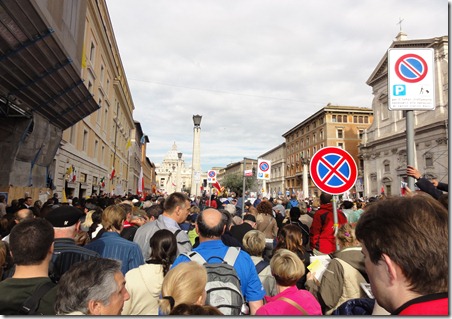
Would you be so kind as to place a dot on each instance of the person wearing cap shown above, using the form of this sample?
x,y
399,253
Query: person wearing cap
x,y
239,231
66,224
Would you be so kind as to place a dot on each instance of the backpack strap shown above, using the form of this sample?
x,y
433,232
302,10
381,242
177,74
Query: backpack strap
x,y
261,266
231,255
293,303
193,255
31,304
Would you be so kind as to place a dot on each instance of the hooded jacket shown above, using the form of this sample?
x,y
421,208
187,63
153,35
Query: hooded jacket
x,y
341,280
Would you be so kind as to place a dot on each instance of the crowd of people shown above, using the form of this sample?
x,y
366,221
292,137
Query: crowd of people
x,y
176,255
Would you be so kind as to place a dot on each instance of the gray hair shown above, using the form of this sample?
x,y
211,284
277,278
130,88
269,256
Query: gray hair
x,y
93,279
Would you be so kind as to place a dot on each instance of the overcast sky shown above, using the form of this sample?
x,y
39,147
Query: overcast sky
x,y
253,69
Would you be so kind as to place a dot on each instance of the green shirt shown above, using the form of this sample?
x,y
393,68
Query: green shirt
x,y
14,291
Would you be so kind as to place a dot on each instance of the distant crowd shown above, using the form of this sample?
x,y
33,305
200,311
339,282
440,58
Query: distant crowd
x,y
178,255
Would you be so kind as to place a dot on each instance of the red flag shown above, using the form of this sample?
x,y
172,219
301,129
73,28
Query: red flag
x,y
403,188
112,174
217,185
382,190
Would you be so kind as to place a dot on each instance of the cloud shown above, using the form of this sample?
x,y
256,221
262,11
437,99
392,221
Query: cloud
x,y
253,68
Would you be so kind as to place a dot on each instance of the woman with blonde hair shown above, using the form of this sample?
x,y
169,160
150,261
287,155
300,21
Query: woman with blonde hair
x,y
185,283
287,269
344,274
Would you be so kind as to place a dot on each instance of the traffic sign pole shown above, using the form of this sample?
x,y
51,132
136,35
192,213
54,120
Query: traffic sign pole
x,y
335,219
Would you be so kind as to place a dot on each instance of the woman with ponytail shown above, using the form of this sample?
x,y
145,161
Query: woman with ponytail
x,y
144,283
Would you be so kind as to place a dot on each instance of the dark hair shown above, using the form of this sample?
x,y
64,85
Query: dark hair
x,y
290,237
294,213
30,241
164,248
325,198
174,200
154,211
227,215
347,204
265,207
413,231
208,231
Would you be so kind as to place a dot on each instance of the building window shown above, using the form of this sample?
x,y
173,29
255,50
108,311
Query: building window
x,y
360,134
366,119
321,134
355,119
428,160
102,154
82,178
85,140
92,52
340,133
341,145
307,141
360,119
334,120
96,147
386,166
72,135
344,118
102,73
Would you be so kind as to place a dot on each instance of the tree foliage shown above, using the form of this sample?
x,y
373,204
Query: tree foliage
x,y
235,183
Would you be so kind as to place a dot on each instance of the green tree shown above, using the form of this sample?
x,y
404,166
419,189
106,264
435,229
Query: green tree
x,y
235,183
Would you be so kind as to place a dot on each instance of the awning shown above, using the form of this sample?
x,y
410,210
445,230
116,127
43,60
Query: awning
x,y
36,75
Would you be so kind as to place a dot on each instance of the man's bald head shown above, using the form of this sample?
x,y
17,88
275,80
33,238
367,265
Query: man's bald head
x,y
211,224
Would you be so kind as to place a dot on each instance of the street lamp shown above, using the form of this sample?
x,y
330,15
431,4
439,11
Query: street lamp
x,y
305,161
179,164
196,161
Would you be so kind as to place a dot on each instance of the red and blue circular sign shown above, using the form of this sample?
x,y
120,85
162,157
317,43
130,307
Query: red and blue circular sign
x,y
263,166
411,68
333,170
212,174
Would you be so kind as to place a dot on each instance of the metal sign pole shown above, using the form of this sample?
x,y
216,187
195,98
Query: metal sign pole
x,y
336,221
410,144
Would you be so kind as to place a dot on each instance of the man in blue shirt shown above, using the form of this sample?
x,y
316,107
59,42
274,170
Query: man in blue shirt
x,y
210,226
112,245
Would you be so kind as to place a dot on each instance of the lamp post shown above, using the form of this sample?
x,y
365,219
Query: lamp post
x,y
196,161
173,185
305,161
179,163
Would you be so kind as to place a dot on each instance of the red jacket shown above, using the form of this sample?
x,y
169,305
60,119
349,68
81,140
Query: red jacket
x,y
322,230
433,305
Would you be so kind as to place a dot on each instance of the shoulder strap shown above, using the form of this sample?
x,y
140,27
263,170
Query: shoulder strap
x,y
31,304
193,255
293,303
231,255
261,265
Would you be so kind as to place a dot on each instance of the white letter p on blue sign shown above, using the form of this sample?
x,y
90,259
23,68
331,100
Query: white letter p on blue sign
x,y
399,90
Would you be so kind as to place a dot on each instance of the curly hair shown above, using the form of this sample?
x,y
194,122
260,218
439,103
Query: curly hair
x,y
265,207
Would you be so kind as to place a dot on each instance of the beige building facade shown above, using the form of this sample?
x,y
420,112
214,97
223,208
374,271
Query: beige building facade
x,y
95,148
338,126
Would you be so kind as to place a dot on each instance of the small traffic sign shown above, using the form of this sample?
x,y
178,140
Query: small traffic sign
x,y
333,170
211,176
263,169
411,80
